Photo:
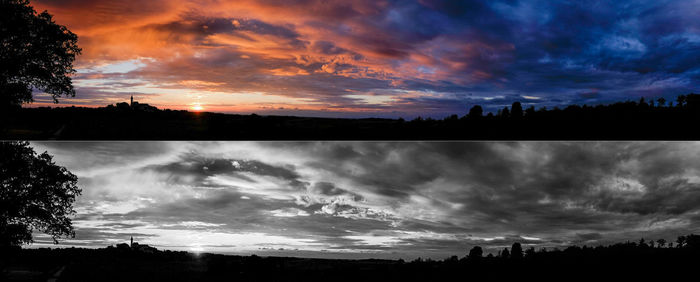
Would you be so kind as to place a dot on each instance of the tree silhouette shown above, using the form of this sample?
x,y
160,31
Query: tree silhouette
x,y
680,241
36,194
681,100
476,112
642,243
692,241
661,101
516,110
476,253
692,101
505,253
505,113
661,242
530,111
530,252
516,251
36,53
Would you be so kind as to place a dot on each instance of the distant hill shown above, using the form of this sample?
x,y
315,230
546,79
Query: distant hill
x,y
630,261
623,120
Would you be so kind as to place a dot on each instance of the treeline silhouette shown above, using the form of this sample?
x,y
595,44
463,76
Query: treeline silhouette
x,y
627,261
652,119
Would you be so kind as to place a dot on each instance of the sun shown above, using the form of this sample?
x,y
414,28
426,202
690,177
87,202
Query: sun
x,y
196,249
197,107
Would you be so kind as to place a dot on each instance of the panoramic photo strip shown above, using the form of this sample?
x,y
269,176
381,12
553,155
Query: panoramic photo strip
x,y
363,140
226,210
340,70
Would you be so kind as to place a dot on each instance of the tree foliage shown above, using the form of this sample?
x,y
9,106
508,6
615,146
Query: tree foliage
x,y
476,112
516,251
476,253
517,110
505,253
35,194
36,53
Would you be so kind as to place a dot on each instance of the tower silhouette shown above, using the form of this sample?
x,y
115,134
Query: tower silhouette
x,y
132,104
132,237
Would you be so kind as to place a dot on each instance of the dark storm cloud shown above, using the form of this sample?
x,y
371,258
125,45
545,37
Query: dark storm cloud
x,y
329,189
578,44
589,236
329,48
578,184
202,26
200,168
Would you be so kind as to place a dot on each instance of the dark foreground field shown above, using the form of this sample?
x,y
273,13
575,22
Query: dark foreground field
x,y
624,120
105,124
622,262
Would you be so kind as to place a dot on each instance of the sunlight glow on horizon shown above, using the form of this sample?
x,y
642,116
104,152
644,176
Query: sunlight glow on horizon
x,y
197,107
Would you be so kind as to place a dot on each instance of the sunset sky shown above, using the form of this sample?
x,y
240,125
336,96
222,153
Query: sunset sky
x,y
378,199
378,58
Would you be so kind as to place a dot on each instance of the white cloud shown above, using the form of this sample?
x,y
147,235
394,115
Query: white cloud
x,y
289,212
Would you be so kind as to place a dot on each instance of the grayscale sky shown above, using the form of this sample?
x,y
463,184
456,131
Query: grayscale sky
x,y
378,199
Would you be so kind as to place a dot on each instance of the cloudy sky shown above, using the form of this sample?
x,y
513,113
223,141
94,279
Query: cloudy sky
x,y
378,199
378,58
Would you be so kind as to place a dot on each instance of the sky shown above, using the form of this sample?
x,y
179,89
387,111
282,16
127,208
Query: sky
x,y
378,199
372,58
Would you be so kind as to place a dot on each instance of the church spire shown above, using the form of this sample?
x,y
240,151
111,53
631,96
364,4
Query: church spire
x,y
132,104
132,237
